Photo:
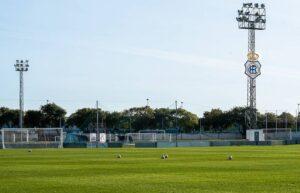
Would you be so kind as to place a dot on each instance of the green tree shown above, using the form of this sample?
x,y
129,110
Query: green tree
x,y
187,121
267,120
214,120
163,118
9,117
86,119
218,120
112,120
140,118
53,115
286,120
83,118
33,118
236,119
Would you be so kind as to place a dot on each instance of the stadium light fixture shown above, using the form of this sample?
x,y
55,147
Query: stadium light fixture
x,y
247,4
21,66
252,17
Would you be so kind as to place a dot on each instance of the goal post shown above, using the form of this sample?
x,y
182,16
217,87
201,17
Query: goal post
x,y
32,138
2,138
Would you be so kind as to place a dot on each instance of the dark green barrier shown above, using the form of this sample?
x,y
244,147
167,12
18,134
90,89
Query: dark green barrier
x,y
194,144
146,144
75,145
264,143
277,142
115,144
220,143
239,143
290,142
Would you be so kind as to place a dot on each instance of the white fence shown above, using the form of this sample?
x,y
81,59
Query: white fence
x,y
153,137
279,134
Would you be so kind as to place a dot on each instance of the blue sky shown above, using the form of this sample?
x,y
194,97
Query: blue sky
x,y
121,52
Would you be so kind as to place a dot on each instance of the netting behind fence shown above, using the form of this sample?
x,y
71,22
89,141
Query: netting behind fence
x,y
278,134
170,137
139,137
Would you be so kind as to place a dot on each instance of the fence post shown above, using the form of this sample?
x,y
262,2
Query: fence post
x,y
2,135
61,138
27,136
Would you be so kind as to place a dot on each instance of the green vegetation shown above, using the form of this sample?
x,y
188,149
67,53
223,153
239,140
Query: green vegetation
x,y
140,118
50,115
187,170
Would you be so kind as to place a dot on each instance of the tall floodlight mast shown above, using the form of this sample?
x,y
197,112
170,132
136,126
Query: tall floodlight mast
x,y
21,66
252,17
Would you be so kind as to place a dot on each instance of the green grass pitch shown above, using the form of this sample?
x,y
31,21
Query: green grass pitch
x,y
187,170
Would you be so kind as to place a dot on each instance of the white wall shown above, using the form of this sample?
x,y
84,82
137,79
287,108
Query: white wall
x,y
250,134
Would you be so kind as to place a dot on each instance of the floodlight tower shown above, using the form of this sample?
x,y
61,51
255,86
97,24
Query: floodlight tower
x,y
252,17
21,66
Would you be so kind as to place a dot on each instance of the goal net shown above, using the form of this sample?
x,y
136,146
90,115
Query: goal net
x,y
32,138
278,133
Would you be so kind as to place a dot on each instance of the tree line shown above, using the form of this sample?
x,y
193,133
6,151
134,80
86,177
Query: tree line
x,y
142,118
217,120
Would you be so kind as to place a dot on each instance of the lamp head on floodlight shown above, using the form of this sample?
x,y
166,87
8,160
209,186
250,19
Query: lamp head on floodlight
x,y
22,65
252,16
247,4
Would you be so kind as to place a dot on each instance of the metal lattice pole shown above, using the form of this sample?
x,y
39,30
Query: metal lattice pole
x,y
21,98
251,82
176,122
21,66
252,17
97,124
251,86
